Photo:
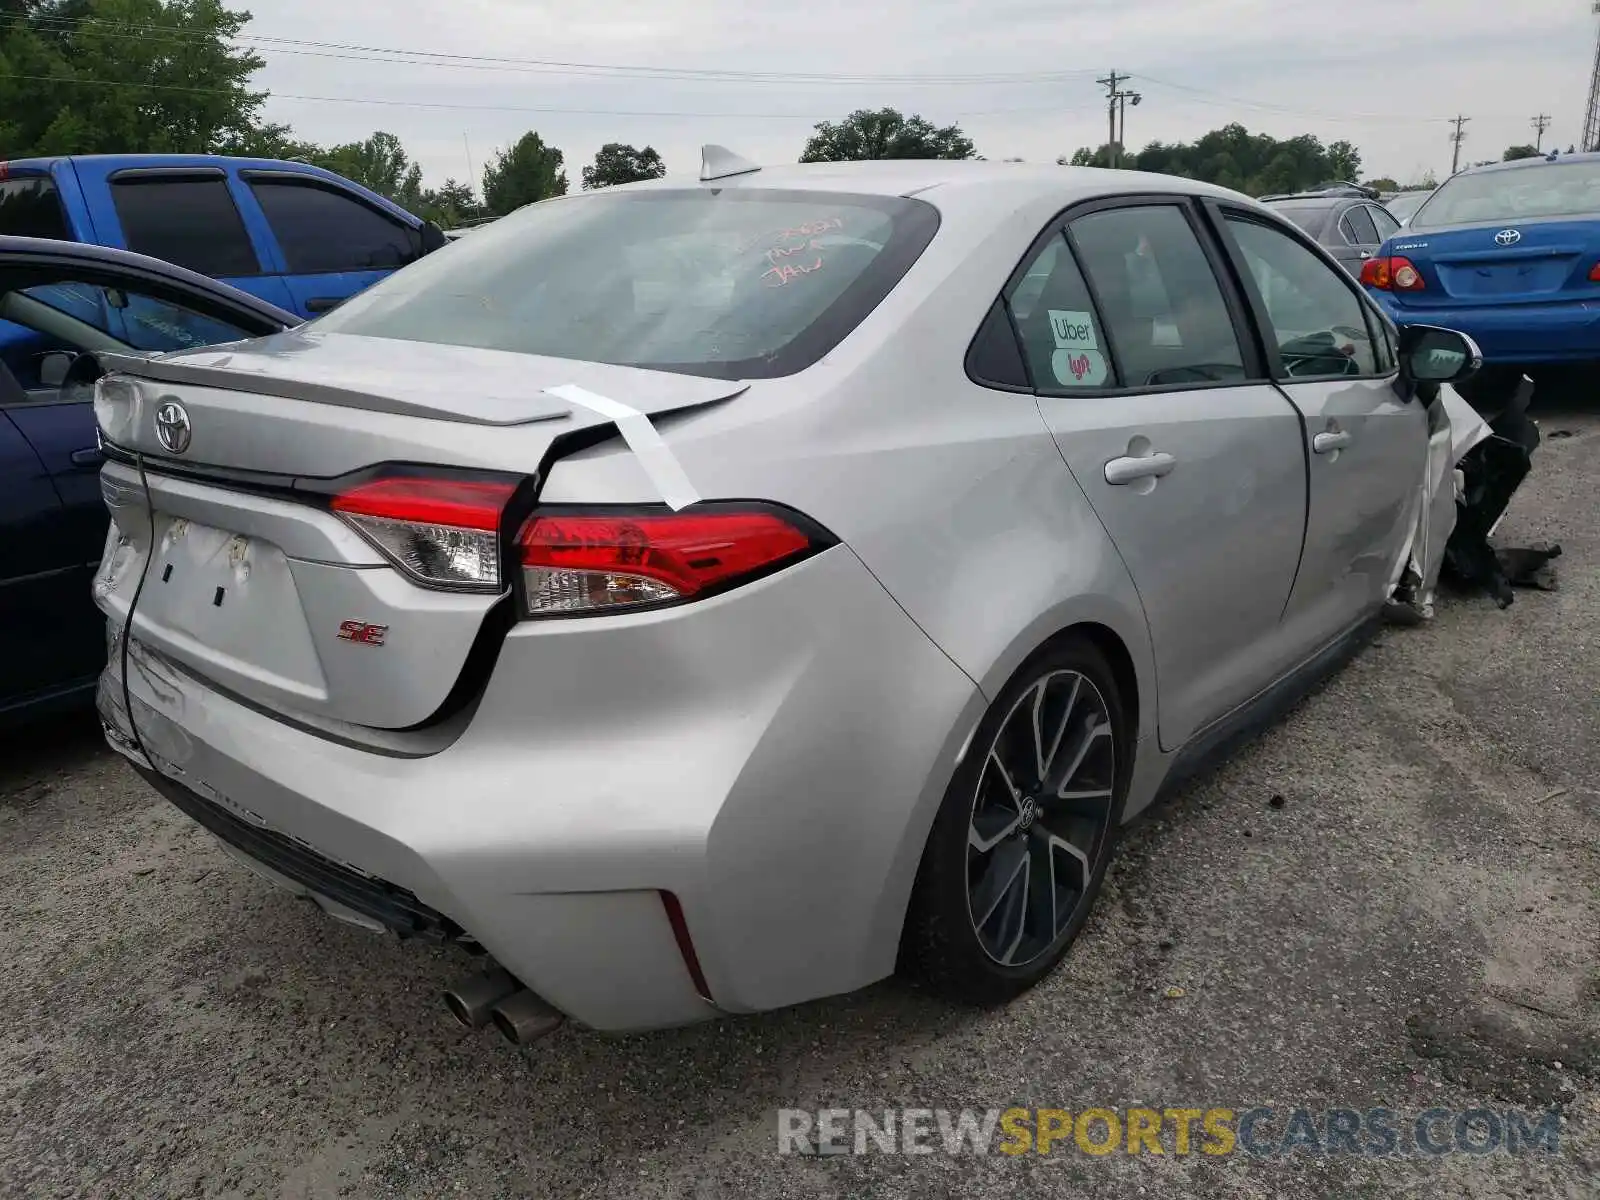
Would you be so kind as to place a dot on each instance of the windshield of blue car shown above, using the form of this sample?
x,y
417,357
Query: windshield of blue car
x,y
1558,189
732,282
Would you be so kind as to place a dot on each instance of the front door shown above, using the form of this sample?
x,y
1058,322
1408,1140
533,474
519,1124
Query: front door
x,y
1367,446
333,245
1191,460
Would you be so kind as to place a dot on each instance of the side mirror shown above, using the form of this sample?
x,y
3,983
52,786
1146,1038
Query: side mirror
x,y
433,237
53,367
1429,354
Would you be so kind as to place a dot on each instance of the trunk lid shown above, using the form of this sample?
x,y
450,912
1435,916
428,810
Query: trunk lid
x,y
253,584
1497,265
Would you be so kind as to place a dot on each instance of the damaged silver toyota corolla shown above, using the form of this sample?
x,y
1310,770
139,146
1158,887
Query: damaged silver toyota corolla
x,y
701,598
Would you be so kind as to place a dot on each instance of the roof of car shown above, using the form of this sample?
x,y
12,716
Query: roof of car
x,y
1546,160
1010,182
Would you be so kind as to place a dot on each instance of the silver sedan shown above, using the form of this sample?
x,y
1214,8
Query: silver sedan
x,y
700,597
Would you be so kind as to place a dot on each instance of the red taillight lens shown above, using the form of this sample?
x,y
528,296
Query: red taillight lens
x,y
1392,274
601,562
1375,274
1594,273
442,532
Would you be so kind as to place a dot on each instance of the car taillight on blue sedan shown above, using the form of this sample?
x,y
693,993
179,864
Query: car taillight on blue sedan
x,y
1392,273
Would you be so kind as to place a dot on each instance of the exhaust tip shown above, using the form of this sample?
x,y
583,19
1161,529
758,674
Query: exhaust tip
x,y
523,1018
472,1000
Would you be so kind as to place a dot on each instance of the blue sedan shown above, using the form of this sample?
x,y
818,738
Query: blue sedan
x,y
60,303
1508,254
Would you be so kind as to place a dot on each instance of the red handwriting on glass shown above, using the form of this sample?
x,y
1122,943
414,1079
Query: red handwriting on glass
x,y
782,274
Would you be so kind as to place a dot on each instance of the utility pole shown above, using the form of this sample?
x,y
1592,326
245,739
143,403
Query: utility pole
x,y
1117,106
1540,124
1459,136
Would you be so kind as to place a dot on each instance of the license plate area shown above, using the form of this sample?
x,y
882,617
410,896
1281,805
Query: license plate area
x,y
226,604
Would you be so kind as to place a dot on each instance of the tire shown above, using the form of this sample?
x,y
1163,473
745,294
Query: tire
x,y
970,935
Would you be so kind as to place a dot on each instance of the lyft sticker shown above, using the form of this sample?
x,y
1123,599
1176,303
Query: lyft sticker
x,y
1079,368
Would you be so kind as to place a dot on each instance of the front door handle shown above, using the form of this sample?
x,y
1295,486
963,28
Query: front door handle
x,y
1120,471
1327,443
322,304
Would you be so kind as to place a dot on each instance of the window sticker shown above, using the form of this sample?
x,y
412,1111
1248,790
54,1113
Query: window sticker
x,y
1078,360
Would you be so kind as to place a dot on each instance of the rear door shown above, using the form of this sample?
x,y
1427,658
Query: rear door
x,y
188,216
1191,459
333,243
1355,239
1367,447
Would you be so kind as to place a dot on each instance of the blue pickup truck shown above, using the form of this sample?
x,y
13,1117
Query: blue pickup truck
x,y
294,235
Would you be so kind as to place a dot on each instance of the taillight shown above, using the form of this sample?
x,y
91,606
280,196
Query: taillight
x,y
1392,274
442,532
594,561
1594,273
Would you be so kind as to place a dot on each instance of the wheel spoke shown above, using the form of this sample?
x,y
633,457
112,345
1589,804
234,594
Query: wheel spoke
x,y
1005,775
1088,805
1000,877
1047,756
1079,859
1093,732
990,828
1042,885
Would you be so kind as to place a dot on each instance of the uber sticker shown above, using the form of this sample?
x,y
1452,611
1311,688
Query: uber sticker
x,y
1079,368
1073,330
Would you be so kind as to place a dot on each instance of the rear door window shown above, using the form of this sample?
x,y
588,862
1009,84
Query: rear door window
x,y
1057,323
1167,318
1387,225
31,207
1358,227
723,282
186,220
322,230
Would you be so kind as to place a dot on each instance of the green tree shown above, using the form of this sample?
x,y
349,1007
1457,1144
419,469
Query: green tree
x,y
1384,185
1233,157
884,133
526,173
450,205
1513,153
96,76
380,163
1344,161
616,163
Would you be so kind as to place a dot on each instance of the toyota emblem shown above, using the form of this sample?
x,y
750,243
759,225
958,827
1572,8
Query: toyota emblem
x,y
172,426
1508,237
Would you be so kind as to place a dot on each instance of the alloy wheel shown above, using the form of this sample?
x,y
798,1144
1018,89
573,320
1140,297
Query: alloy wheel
x,y
1041,816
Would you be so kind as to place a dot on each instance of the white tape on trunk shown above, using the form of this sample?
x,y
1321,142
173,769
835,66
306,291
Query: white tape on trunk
x,y
654,455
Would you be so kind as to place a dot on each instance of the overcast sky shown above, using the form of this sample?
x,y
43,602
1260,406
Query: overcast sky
x,y
1383,74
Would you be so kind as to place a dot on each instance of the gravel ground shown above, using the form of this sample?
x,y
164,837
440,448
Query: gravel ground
x,y
1392,899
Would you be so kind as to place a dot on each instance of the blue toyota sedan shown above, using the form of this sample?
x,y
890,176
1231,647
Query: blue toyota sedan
x,y
1508,254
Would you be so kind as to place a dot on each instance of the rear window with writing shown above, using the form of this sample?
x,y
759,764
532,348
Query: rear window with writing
x,y
736,284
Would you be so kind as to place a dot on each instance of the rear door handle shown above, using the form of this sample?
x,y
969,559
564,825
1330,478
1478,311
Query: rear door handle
x,y
1121,471
1327,443
322,304
92,456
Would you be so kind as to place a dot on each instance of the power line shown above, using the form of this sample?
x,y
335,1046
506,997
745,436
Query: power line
x,y
1224,98
131,31
1540,124
518,108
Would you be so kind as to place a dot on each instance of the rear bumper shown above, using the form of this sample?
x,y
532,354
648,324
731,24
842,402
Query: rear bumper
x,y
772,757
1520,334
